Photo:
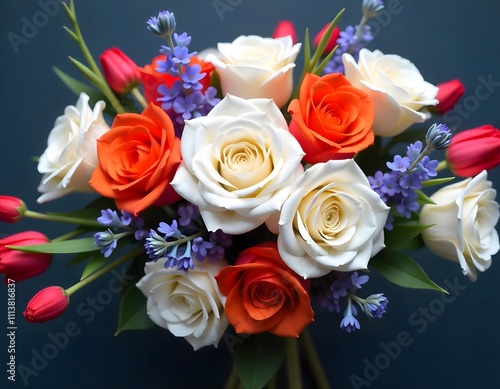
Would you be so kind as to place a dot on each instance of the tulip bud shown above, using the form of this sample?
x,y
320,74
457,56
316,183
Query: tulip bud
x,y
332,42
285,28
46,305
12,209
120,72
448,94
472,151
19,265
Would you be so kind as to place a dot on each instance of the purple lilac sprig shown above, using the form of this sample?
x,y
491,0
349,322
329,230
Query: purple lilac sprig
x,y
185,99
119,226
354,38
398,188
344,286
185,241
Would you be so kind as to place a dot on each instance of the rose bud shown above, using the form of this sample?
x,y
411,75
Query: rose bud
x,y
46,305
332,42
12,209
19,265
121,73
448,94
285,28
472,151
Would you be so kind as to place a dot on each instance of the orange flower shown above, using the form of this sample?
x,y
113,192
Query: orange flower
x,y
331,119
152,79
263,294
138,158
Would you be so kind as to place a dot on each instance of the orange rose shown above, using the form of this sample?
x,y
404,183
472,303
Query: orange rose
x,y
331,119
263,294
138,158
152,79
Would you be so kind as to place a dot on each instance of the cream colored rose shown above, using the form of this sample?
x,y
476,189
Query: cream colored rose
x,y
71,155
238,164
255,67
464,219
188,304
395,86
332,220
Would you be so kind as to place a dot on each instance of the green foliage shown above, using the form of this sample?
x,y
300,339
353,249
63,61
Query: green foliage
x,y
402,270
258,359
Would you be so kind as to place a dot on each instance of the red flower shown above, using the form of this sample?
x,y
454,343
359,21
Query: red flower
x,y
331,119
119,70
19,265
11,209
332,42
448,94
285,28
138,157
264,294
152,79
46,305
472,151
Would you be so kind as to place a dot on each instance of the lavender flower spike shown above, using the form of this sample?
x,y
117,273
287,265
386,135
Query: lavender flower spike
x,y
163,24
438,137
371,8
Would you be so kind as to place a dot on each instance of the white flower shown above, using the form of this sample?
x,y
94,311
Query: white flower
x,y
255,67
188,304
464,219
238,163
332,220
71,155
396,87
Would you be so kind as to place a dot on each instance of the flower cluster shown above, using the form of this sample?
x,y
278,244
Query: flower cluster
x,y
240,197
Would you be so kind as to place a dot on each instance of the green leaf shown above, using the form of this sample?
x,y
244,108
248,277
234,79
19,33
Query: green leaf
x,y
133,314
422,198
258,359
63,247
403,270
78,87
87,72
80,257
402,234
96,262
437,181
307,51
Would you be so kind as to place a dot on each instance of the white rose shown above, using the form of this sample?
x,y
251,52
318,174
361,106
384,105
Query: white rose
x,y
238,164
332,220
255,67
464,219
188,304
71,155
396,87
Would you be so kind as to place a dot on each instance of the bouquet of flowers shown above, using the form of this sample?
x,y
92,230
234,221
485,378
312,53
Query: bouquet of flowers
x,y
241,196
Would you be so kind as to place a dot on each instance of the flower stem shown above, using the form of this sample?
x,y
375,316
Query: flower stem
x,y
362,23
67,236
61,218
292,364
233,380
103,270
442,165
139,97
314,362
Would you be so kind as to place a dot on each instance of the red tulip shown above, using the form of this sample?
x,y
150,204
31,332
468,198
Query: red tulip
x,y
19,265
475,150
119,70
448,94
285,28
46,305
332,42
12,209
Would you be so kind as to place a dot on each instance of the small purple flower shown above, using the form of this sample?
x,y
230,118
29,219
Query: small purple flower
x,y
400,164
201,247
182,40
187,214
107,241
349,323
169,230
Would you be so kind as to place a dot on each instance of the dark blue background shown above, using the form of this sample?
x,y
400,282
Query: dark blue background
x,y
458,348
